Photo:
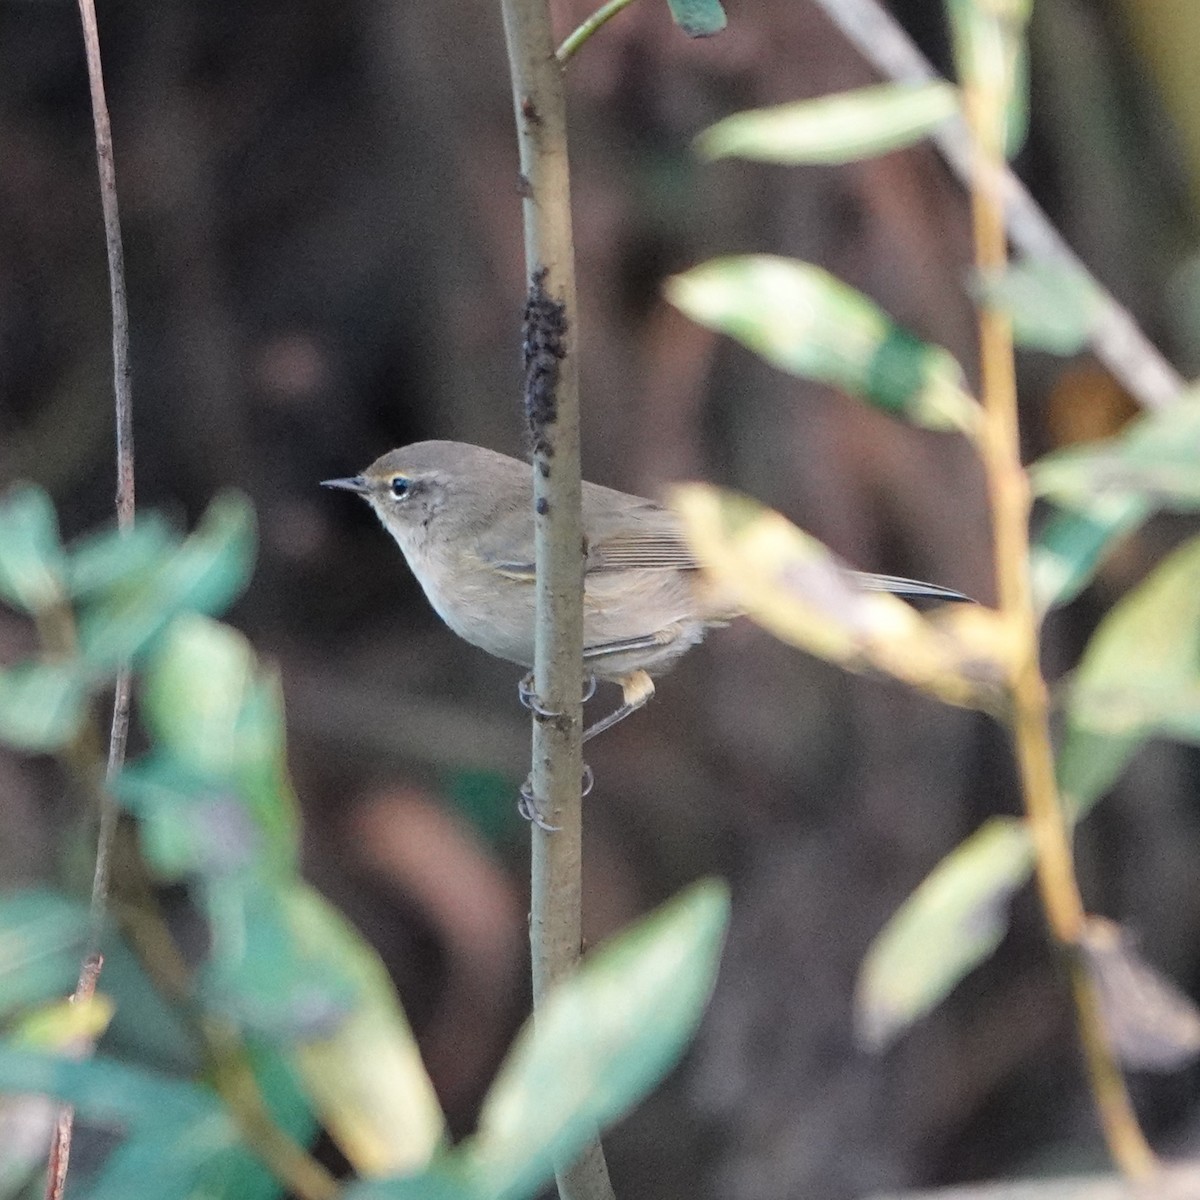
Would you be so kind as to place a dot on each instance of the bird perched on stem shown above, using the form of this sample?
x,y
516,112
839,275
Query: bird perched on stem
x,y
463,515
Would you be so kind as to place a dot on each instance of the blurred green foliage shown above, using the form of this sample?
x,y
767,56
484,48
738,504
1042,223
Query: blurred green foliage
x,y
200,1064
1138,678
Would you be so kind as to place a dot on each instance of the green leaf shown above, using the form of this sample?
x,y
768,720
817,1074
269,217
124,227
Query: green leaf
x,y
204,575
42,937
196,685
950,924
1155,461
435,1184
99,562
833,129
1139,674
603,1038
31,556
190,824
1052,306
219,718
42,705
992,58
108,1092
64,1025
1088,765
1071,545
366,1080
698,18
804,321
261,973
798,590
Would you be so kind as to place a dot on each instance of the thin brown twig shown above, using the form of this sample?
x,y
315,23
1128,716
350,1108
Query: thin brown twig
x,y
125,503
1116,338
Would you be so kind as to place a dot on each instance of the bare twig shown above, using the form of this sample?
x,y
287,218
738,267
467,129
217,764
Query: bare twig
x,y
1008,488
1116,338
123,396
552,405
575,39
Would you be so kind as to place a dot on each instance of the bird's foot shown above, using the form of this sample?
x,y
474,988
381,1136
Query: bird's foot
x,y
529,698
527,804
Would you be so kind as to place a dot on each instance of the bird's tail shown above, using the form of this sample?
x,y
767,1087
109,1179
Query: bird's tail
x,y
908,589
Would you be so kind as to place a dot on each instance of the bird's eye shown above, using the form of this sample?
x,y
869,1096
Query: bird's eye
x,y
399,487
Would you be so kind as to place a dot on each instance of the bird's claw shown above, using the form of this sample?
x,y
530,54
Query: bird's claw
x,y
527,807
529,698
527,804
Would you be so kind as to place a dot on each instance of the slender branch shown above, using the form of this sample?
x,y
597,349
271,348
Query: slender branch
x,y
552,408
123,399
1008,487
89,973
1116,338
576,38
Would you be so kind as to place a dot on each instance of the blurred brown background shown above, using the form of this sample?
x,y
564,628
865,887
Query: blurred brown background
x,y
323,242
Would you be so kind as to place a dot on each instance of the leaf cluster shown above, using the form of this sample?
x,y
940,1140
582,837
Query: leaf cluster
x,y
211,1069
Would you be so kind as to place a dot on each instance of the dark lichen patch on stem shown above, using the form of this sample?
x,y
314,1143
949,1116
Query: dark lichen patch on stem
x,y
545,324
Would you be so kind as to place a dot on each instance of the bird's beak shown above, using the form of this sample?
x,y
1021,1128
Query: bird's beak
x,y
356,483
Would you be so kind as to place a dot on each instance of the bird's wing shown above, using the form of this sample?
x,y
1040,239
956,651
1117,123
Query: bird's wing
x,y
623,533
626,533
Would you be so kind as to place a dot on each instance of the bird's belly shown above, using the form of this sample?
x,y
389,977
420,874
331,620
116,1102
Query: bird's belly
x,y
496,613
497,616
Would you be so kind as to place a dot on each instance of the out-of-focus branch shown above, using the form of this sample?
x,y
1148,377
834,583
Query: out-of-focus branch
x,y
1116,338
1009,494
89,971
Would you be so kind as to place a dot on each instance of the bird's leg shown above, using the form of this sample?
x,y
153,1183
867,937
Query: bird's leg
x,y
637,689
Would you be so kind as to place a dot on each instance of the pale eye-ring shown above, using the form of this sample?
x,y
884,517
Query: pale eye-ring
x,y
399,487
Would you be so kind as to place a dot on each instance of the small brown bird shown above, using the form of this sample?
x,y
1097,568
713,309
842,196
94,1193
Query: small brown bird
x,y
463,516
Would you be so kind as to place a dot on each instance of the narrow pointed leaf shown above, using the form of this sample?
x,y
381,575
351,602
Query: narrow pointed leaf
x,y
42,705
698,18
1134,679
1155,462
366,1079
102,561
42,935
204,575
217,717
31,556
1069,548
833,129
760,564
1052,306
804,321
947,927
991,57
601,1041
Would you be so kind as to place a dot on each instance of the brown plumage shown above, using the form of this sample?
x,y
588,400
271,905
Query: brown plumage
x,y
463,516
